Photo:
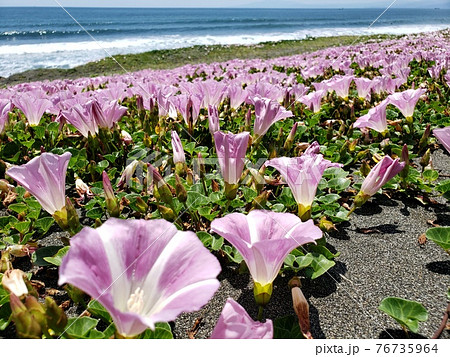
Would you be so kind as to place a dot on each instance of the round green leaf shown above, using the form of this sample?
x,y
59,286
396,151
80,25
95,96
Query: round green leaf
x,y
406,312
440,236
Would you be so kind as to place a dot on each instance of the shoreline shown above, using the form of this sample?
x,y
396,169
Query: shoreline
x,y
172,58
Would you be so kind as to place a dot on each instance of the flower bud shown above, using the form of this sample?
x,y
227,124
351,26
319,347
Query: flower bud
x,y
405,158
330,132
73,220
37,311
13,282
82,189
5,262
201,166
180,190
126,137
260,201
344,148
352,145
290,139
26,324
22,250
140,103
326,225
301,307
258,178
425,160
128,173
56,317
164,191
424,139
189,177
112,205
167,213
365,168
141,206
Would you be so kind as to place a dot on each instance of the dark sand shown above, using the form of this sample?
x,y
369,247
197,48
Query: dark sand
x,y
344,301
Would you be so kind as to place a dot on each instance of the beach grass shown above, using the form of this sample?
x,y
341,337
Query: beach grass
x,y
166,59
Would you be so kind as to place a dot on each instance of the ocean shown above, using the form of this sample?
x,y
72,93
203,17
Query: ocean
x,y
37,37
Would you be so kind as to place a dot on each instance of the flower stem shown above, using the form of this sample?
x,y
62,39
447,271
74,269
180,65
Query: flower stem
x,y
260,313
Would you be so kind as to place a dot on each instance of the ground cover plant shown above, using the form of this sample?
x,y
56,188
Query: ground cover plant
x,y
133,192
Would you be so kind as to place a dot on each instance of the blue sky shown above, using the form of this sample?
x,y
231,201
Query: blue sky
x,y
232,3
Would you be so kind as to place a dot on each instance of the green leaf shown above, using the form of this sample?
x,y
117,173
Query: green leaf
x,y
406,312
430,175
97,309
196,200
57,258
339,184
319,265
440,236
18,207
22,227
95,213
162,331
287,328
189,147
80,327
5,316
38,256
233,254
39,132
206,212
328,199
44,224
210,241
249,194
322,250
443,186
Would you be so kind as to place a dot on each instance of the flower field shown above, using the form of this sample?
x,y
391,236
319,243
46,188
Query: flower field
x,y
252,187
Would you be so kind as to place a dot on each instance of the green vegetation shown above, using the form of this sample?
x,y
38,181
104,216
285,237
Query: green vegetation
x,y
166,59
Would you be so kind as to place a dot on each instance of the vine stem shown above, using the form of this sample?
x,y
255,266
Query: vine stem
x,y
443,323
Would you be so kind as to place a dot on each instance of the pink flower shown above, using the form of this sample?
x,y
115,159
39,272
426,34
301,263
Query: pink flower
x,y
235,323
189,108
213,119
340,85
267,112
237,96
231,149
375,119
107,113
303,174
142,272
363,86
32,105
313,100
406,101
443,136
380,174
45,178
177,147
264,239
5,108
82,119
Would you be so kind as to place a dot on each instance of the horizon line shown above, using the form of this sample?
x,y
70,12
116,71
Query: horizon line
x,y
233,7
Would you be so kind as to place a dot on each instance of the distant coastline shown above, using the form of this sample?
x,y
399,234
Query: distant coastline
x,y
167,59
48,38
